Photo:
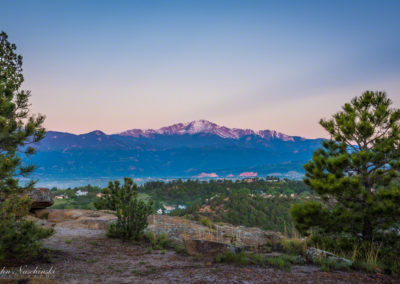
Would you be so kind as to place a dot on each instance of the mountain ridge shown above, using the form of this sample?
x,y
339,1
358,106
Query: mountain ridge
x,y
195,149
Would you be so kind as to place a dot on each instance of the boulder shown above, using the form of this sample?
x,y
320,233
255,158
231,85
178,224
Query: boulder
x,y
313,254
41,198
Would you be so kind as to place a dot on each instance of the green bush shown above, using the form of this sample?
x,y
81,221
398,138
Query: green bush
x,y
278,262
371,256
282,262
230,257
158,242
333,242
179,248
207,222
390,253
328,264
20,239
293,246
131,212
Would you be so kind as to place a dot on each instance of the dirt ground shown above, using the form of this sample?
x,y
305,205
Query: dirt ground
x,y
87,256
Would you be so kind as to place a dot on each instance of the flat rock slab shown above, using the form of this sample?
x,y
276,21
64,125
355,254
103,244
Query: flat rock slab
x,y
313,254
77,218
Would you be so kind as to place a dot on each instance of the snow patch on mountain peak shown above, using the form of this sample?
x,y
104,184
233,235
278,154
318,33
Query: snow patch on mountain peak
x,y
206,127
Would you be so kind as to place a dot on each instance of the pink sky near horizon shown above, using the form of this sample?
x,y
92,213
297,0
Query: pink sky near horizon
x,y
278,65
298,116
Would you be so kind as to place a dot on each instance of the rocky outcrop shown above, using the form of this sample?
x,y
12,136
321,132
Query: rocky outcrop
x,y
41,198
197,238
179,229
77,218
313,254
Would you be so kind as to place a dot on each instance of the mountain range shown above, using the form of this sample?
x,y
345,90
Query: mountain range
x,y
195,149
205,127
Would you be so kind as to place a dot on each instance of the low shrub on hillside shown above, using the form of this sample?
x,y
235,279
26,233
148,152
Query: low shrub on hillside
x,y
293,246
207,222
158,242
283,262
381,254
328,264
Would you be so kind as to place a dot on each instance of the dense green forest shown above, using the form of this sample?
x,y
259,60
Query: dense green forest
x,y
259,203
191,192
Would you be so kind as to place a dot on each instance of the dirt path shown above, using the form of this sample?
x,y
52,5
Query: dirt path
x,y
87,256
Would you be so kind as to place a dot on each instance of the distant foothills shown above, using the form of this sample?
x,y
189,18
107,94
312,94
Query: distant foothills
x,y
198,149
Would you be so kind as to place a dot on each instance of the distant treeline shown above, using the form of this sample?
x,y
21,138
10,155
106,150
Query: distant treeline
x,y
191,192
252,202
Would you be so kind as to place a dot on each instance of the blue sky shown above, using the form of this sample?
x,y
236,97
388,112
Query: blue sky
x,y
116,65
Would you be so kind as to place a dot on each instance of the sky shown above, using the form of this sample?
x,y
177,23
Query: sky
x,y
279,65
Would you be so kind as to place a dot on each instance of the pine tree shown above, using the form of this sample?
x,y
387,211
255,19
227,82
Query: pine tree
x,y
131,211
354,172
19,238
18,128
